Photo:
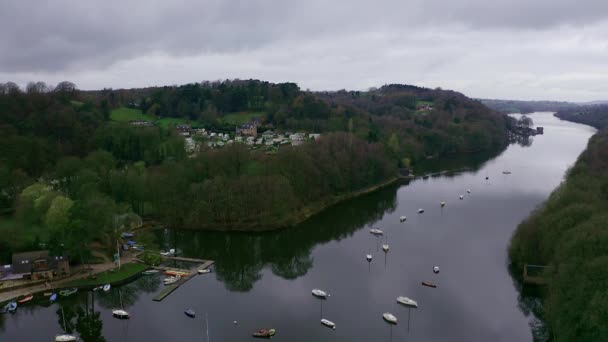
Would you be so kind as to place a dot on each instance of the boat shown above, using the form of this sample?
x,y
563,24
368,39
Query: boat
x,y
420,211
319,293
127,235
67,292
150,272
11,307
368,257
442,204
65,338
25,299
53,297
402,218
425,283
176,273
120,314
436,269
407,301
376,231
190,313
171,280
461,196
506,172
204,271
385,247
98,288
328,323
264,333
171,252
47,294
107,287
468,191
389,317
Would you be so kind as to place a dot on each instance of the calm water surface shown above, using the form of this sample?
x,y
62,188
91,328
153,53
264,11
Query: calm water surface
x,y
264,280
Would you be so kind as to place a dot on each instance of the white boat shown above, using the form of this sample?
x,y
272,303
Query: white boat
x,y
204,271
65,338
389,317
420,211
402,218
385,247
407,301
442,204
150,272
319,293
171,252
468,191
98,288
328,323
107,287
368,257
171,280
461,196
376,231
120,313
436,269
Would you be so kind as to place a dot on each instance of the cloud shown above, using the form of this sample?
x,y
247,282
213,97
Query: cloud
x,y
500,49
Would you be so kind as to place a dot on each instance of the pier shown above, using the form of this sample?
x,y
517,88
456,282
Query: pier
x,y
203,265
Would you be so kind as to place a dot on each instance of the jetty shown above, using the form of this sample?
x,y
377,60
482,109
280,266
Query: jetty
x,y
203,264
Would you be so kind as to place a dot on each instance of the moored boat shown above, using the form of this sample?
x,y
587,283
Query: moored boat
x,y
98,288
171,252
426,283
420,211
190,313
65,338
204,271
171,280
25,299
385,247
328,323
461,196
389,317
319,293
468,191
435,269
368,257
127,235
402,218
68,292
376,231
149,272
407,301
11,307
120,314
442,204
506,172
107,287
176,273
264,333
53,297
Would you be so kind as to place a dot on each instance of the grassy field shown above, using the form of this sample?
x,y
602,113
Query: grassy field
x,y
77,104
240,118
110,277
124,114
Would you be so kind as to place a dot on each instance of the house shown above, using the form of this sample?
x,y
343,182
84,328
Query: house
x,y
184,130
37,265
249,129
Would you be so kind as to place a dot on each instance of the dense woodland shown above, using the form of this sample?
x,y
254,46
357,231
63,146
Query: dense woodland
x,y
69,173
526,107
596,116
569,234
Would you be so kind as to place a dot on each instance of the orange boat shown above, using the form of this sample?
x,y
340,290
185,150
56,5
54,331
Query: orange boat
x,y
429,284
25,299
176,273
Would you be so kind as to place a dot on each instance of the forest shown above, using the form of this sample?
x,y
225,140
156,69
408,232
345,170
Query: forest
x,y
70,172
596,115
527,107
569,235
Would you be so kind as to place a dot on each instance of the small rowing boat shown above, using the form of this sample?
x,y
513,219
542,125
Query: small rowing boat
x,y
190,313
25,299
402,218
407,301
65,338
150,272
53,297
176,273
204,271
106,287
328,323
319,293
385,248
376,231
368,257
171,280
120,314
425,283
264,333
420,211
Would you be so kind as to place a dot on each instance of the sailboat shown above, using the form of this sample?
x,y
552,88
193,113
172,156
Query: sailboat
x,y
65,337
385,245
120,313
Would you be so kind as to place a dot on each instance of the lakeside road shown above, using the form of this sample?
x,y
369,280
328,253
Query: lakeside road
x,y
79,272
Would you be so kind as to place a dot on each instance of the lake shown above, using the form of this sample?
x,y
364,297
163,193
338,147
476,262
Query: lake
x,y
265,280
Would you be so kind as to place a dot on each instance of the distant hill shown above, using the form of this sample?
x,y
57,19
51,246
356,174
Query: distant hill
x,y
595,115
524,107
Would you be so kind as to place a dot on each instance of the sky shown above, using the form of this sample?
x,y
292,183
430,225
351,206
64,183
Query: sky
x,y
515,49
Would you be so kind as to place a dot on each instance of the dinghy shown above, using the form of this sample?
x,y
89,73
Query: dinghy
x,y
264,333
425,283
328,323
150,272
368,257
376,231
436,269
120,314
11,307
385,248
65,338
205,271
319,293
420,211
53,297
25,299
506,172
67,292
407,301
442,204
461,196
402,218
390,318
98,288
107,287
171,252
468,191
171,280
190,313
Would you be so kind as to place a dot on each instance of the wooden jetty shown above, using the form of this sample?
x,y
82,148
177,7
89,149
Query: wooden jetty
x,y
534,279
204,264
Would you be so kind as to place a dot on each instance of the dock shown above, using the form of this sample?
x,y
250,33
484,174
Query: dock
x,y
204,264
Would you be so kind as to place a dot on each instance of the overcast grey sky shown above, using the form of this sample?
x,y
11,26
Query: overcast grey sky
x,y
519,49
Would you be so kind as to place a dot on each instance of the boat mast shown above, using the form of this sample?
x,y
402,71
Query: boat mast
x,y
207,324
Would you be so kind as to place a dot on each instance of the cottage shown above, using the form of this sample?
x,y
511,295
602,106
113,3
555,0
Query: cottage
x,y
39,265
